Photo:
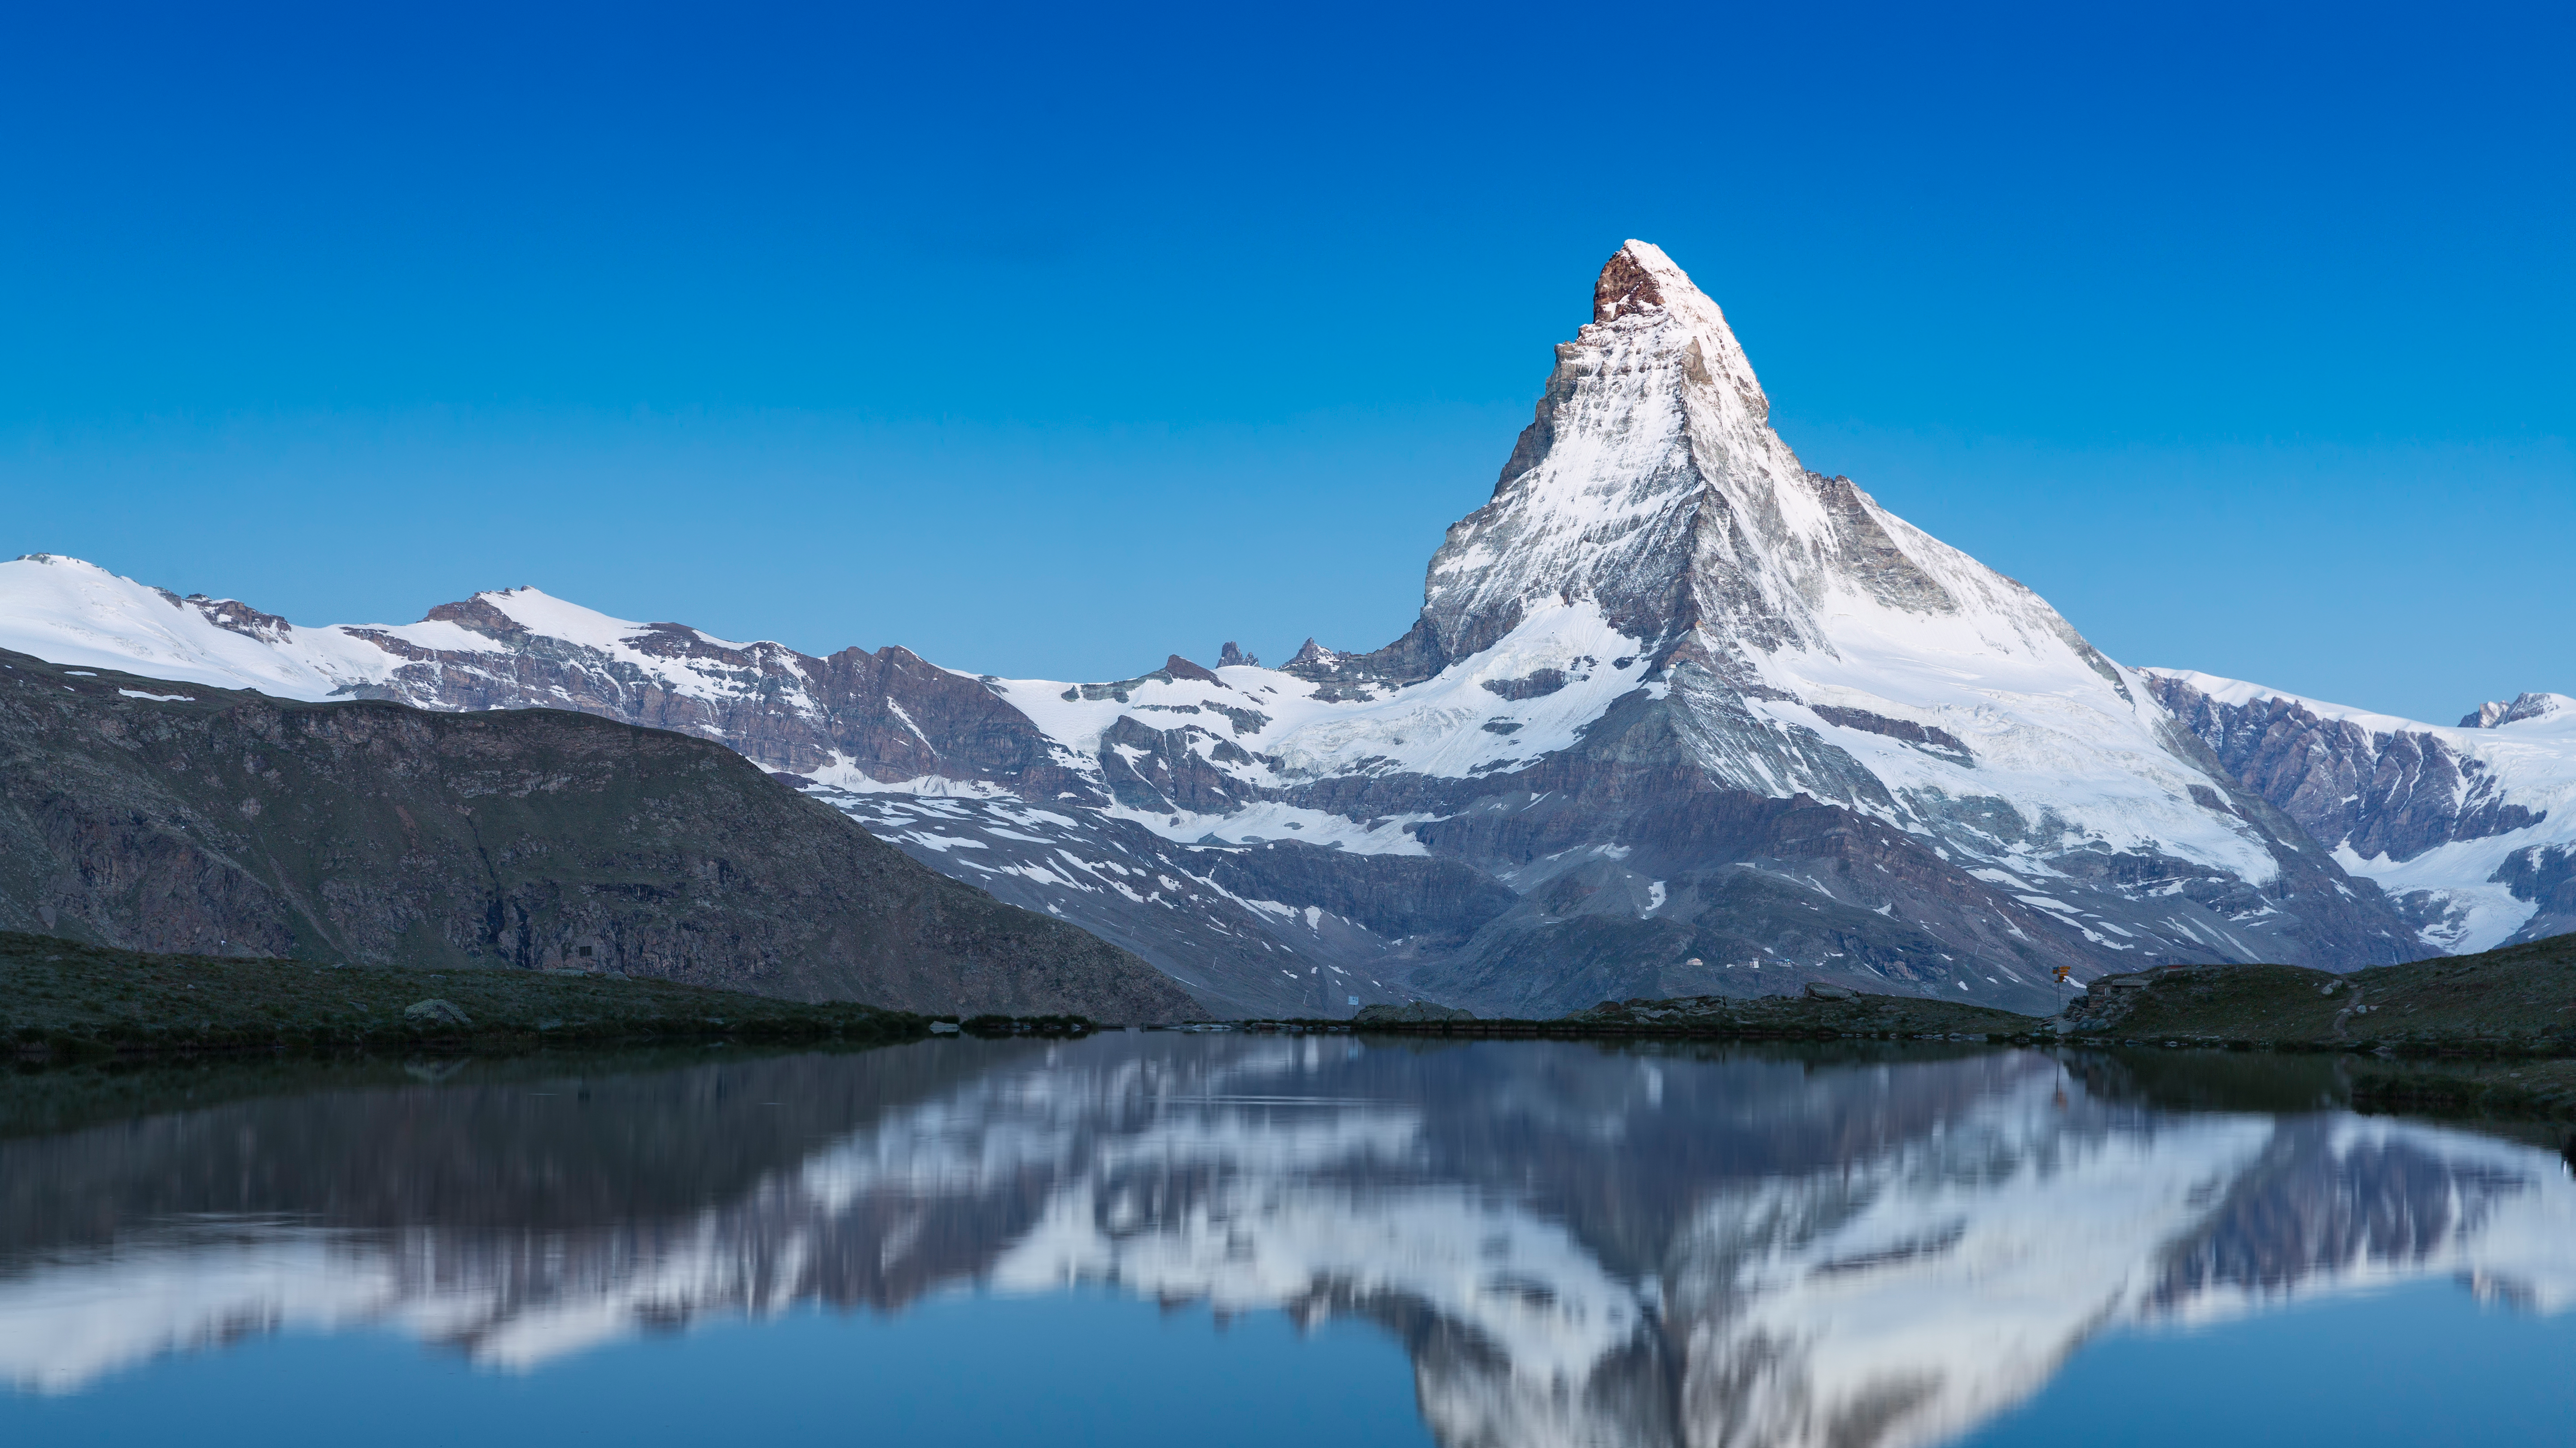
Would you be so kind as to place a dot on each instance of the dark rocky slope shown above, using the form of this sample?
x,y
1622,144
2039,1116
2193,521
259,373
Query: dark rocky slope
x,y
182,818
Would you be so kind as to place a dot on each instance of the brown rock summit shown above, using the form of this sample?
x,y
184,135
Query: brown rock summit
x,y
1625,285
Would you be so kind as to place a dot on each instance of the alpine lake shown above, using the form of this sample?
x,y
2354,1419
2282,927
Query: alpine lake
x,y
1214,1237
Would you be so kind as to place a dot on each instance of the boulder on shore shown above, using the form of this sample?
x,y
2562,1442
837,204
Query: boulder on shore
x,y
436,1012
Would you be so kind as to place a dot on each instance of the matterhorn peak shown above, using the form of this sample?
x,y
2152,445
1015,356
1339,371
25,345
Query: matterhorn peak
x,y
1651,444
1640,278
1641,285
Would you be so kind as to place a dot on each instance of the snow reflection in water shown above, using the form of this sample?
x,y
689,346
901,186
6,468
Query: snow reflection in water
x,y
1575,1245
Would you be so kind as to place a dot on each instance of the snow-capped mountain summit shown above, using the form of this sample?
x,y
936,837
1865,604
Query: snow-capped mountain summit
x,y
1649,443
1652,483
72,612
1774,633
1821,645
1678,716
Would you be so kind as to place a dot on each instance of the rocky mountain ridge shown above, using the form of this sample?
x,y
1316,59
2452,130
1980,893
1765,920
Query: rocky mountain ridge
x,y
2471,830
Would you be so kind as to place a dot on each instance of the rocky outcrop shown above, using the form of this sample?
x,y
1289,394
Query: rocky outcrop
x,y
161,817
437,1012
2496,714
2545,875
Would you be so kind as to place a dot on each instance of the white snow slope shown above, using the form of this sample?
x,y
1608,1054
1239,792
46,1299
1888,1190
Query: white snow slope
x,y
71,612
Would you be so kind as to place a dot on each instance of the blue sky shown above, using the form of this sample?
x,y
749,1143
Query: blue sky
x,y
1051,340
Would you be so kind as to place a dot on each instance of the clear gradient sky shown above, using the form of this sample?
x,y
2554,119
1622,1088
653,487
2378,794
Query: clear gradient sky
x,y
1049,340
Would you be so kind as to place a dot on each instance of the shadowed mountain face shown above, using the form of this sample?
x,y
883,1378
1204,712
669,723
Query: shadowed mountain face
x,y
167,818
1679,717
1576,1246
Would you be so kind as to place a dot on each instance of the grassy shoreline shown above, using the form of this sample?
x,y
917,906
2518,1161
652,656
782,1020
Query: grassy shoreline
x,y
61,1000
1853,1016
2519,1001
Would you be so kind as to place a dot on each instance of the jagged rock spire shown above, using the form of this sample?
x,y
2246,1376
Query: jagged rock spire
x,y
1651,487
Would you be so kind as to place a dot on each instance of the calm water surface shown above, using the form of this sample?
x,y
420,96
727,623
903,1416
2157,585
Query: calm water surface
x,y
1183,1239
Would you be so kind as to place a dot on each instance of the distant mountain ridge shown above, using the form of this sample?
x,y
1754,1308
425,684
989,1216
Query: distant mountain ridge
x,y
1679,716
2472,830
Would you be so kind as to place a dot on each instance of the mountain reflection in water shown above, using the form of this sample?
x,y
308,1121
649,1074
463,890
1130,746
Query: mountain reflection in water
x,y
1576,1245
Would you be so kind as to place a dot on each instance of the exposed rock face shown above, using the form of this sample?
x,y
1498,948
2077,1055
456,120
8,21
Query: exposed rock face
x,y
181,818
2545,875
2393,792
2470,828
1218,919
